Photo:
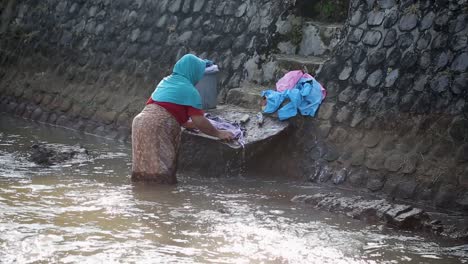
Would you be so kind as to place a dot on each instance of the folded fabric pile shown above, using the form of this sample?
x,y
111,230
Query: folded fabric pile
x,y
301,89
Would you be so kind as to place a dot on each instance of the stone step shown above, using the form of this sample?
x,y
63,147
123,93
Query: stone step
x,y
311,64
319,38
247,96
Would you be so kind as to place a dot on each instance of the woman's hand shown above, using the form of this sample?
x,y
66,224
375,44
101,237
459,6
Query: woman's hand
x,y
225,135
206,127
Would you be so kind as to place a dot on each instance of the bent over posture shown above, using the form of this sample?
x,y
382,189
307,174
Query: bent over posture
x,y
156,130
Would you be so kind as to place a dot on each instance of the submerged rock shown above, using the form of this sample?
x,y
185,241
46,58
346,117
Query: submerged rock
x,y
50,155
396,215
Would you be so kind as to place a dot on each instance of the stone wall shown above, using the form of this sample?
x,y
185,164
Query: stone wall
x,y
92,64
396,116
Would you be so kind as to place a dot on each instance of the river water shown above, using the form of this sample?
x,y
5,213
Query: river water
x,y
88,211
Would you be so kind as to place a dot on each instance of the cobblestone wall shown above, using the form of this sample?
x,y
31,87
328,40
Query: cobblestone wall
x,y
92,64
396,116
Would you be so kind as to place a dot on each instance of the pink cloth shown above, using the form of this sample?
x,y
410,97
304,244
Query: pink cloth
x,y
290,79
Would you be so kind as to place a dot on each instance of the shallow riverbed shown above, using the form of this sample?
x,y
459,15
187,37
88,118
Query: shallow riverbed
x,y
88,211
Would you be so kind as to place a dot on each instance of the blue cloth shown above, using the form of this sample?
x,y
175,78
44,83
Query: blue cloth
x,y
306,97
179,87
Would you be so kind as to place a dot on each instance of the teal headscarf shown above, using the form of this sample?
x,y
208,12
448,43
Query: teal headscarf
x,y
179,87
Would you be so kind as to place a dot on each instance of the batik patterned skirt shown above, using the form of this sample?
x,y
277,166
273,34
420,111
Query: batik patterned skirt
x,y
155,144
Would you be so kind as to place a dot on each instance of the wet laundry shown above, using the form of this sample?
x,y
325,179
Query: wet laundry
x,y
303,95
221,124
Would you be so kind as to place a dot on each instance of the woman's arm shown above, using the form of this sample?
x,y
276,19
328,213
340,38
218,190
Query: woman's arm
x,y
206,127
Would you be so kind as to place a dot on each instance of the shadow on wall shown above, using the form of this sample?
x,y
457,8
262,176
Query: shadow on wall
x,y
323,10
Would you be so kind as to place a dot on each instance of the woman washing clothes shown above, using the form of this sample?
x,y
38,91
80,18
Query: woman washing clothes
x,y
156,130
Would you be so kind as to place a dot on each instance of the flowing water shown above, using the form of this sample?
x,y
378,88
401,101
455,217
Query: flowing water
x,y
88,211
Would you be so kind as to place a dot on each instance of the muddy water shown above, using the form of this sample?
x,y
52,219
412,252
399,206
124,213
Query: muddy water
x,y
88,211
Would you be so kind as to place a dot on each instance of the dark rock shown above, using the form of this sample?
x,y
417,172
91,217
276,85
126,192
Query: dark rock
x,y
460,63
375,182
390,38
372,38
427,21
459,41
36,114
410,164
441,61
355,35
458,24
408,22
425,60
360,75
363,96
394,162
375,100
440,83
359,54
375,18
391,19
459,130
462,153
374,161
377,57
394,57
409,60
358,157
405,41
424,41
440,41
47,155
442,19
347,94
445,196
375,78
460,83
331,155
371,140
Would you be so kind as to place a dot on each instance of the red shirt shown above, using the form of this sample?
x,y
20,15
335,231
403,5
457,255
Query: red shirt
x,y
180,112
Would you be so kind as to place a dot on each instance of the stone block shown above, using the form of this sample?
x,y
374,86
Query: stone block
x,y
358,157
374,160
409,60
460,63
391,78
358,117
331,154
391,18
346,72
394,162
440,83
405,41
326,110
339,135
462,154
440,41
357,18
355,35
343,114
357,178
375,18
36,114
386,4
372,38
371,139
426,21
376,58
375,78
408,22
324,129
198,5
458,130
424,41
390,38
375,182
